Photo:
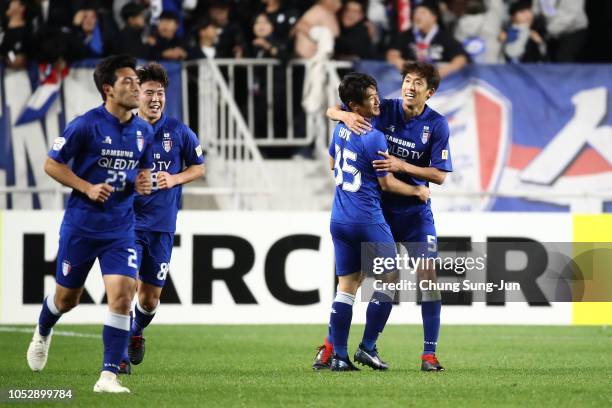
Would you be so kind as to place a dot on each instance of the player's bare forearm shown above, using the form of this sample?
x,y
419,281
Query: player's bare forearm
x,y
63,174
392,164
431,174
335,113
390,184
355,122
191,173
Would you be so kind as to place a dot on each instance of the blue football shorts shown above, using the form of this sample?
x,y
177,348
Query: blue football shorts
x,y
77,254
415,230
154,251
348,240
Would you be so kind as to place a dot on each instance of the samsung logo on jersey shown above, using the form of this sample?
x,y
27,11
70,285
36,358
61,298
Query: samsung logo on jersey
x,y
400,142
344,134
117,153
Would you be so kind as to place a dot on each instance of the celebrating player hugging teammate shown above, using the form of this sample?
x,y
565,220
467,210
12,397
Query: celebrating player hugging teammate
x,y
417,138
357,217
111,152
177,159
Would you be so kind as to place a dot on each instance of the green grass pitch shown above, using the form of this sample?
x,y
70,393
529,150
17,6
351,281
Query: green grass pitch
x,y
268,366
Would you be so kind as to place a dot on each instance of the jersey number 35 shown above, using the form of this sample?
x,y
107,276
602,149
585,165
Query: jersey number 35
x,y
343,156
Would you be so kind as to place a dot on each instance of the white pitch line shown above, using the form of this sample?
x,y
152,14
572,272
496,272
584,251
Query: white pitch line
x,y
55,332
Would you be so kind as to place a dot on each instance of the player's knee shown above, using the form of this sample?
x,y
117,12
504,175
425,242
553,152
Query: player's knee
x,y
149,303
66,304
121,304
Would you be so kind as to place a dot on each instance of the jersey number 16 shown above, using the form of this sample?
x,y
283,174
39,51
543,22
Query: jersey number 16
x,y
344,156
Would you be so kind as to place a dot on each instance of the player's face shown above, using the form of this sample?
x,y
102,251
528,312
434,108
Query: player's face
x,y
125,91
371,103
152,100
415,91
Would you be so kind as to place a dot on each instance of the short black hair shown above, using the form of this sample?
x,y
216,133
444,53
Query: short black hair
x,y
519,5
153,72
105,72
169,15
432,6
354,86
131,10
425,70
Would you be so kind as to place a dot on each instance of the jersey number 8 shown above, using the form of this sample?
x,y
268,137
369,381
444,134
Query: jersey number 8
x,y
344,156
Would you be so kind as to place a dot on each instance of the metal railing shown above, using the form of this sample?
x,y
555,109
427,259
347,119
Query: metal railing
x,y
273,75
234,161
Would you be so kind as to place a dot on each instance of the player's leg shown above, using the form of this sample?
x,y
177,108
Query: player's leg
x,y
74,260
152,277
340,320
381,302
431,300
347,250
119,269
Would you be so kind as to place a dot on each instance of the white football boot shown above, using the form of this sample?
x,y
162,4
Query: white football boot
x,y
108,382
38,351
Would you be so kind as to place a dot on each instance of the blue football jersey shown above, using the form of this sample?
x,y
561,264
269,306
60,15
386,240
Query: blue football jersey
x,y
100,149
421,141
357,199
175,146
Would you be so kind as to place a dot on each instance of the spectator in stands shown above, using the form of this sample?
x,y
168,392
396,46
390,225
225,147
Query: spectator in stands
x,y
355,40
566,26
55,13
283,18
17,41
207,37
479,28
265,43
521,41
231,40
323,13
131,37
167,44
426,41
92,35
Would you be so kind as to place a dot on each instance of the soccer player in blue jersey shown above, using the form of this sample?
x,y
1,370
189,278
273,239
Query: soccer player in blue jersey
x,y
109,151
178,159
419,153
357,218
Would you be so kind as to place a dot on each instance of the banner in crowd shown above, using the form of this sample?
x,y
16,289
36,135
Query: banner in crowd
x,y
35,106
278,267
523,130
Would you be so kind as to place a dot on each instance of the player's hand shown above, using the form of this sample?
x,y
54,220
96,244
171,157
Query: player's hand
x,y
356,123
165,180
99,192
423,193
143,183
390,163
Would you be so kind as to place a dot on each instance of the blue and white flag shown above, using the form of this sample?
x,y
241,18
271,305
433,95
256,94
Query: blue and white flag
x,y
43,96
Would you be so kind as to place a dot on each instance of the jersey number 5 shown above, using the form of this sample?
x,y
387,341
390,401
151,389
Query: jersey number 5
x,y
344,156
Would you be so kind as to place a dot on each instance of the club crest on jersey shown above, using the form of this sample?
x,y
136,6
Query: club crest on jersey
x,y
66,267
139,140
425,134
167,143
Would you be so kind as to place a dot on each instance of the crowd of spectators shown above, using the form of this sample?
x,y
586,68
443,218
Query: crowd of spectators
x,y
454,32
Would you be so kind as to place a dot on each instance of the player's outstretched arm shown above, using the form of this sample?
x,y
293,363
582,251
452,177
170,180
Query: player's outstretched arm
x,y
390,184
63,174
355,122
394,165
167,180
